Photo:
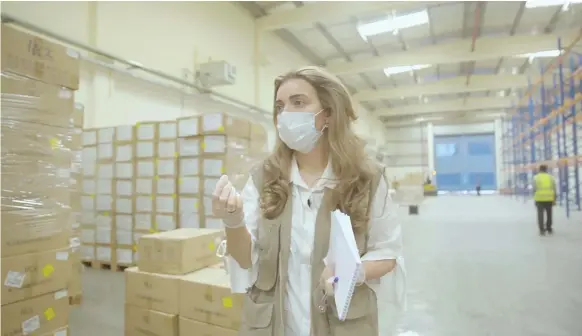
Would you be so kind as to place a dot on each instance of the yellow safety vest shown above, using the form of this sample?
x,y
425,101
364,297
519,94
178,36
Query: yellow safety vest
x,y
544,188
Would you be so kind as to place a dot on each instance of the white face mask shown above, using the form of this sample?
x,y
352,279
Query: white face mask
x,y
297,130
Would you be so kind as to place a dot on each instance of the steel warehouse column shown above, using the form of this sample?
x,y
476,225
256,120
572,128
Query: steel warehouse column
x,y
516,154
557,131
544,120
574,133
565,182
532,132
524,152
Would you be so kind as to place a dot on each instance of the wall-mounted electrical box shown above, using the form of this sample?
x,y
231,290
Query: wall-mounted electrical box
x,y
217,73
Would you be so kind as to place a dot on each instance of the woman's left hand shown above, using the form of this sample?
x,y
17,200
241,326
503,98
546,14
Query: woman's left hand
x,y
327,286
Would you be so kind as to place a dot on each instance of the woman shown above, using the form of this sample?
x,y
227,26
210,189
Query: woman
x,y
278,229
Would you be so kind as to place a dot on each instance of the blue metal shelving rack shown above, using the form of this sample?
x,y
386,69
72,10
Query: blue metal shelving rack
x,y
548,130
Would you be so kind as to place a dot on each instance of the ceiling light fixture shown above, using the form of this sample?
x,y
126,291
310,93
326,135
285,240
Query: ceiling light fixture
x,y
541,54
405,68
550,3
393,24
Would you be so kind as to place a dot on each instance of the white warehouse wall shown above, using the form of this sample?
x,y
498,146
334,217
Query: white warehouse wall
x,y
411,149
169,37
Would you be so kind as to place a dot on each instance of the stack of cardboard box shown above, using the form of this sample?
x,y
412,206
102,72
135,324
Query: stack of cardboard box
x,y
38,83
211,145
175,290
161,174
123,187
75,144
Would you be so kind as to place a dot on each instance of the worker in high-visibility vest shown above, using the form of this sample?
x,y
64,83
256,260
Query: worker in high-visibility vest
x,y
545,198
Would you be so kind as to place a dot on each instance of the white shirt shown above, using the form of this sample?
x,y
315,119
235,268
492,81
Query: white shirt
x,y
385,242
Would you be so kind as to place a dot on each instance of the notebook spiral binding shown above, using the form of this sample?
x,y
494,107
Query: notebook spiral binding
x,y
352,287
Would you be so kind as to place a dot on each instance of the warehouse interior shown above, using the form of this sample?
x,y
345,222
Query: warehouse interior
x,y
451,96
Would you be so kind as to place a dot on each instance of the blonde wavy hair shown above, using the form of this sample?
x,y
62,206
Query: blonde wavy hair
x,y
350,163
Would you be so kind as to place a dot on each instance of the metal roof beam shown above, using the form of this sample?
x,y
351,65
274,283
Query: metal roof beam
x,y
329,11
445,86
456,51
497,104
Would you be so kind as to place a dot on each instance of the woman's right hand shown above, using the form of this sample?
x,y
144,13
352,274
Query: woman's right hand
x,y
227,203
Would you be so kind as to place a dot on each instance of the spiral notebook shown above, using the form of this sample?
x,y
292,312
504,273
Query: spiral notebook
x,y
343,252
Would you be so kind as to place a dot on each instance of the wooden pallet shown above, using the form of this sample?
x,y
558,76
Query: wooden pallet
x,y
75,300
105,265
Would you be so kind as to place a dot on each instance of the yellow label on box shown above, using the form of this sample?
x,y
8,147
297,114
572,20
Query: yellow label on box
x,y
221,128
47,270
211,246
227,302
54,143
49,314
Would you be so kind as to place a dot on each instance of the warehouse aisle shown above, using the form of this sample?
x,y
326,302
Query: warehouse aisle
x,y
476,266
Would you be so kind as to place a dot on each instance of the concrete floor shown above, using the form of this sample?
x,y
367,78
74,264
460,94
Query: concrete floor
x,y
476,266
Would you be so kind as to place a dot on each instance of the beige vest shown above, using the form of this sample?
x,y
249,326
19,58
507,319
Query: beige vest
x,y
263,305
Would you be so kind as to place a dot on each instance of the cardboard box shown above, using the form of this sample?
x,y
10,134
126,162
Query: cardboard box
x,y
179,251
46,104
75,284
35,57
205,296
159,292
139,321
59,332
190,327
36,316
31,275
32,231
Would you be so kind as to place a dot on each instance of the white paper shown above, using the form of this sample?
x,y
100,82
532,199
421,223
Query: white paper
x,y
166,186
124,170
212,167
14,279
166,167
144,186
189,166
188,127
188,147
105,151
62,256
30,325
105,135
145,149
61,294
124,153
167,130
124,237
189,185
165,222
89,138
62,332
124,222
124,133
146,132
344,255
